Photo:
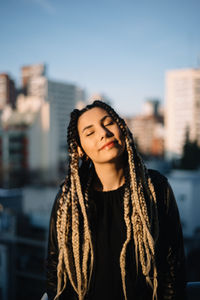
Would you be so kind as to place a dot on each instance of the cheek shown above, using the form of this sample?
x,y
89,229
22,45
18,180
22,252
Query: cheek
x,y
87,147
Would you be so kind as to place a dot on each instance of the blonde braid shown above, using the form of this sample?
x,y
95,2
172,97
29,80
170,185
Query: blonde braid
x,y
67,254
156,223
152,195
87,241
60,246
87,249
75,238
128,238
61,228
87,245
141,230
153,204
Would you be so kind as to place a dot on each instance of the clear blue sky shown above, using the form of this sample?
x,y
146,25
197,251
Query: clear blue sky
x,y
119,48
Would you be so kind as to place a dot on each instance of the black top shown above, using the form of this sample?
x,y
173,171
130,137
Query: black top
x,y
109,237
109,233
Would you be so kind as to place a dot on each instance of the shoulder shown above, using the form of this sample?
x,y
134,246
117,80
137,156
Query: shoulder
x,y
157,178
161,186
164,192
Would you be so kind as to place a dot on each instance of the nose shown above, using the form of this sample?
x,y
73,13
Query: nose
x,y
104,132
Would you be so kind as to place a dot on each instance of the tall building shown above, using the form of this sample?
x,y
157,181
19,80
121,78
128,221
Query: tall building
x,y
7,91
29,142
148,129
182,111
151,107
33,135
31,71
62,98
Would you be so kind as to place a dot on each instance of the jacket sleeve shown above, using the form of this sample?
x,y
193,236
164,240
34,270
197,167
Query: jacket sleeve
x,y
172,280
52,254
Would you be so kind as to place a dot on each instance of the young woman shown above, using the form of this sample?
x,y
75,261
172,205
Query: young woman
x,y
115,231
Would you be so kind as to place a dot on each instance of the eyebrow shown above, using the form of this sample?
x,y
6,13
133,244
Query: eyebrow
x,y
89,126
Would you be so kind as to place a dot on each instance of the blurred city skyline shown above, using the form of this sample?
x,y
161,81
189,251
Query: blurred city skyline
x,y
120,49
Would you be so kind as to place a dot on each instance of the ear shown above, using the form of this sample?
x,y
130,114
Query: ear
x,y
80,152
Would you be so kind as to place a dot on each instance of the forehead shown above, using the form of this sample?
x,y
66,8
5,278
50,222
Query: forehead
x,y
92,116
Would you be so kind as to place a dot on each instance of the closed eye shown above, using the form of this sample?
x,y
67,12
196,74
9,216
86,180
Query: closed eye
x,y
110,123
90,133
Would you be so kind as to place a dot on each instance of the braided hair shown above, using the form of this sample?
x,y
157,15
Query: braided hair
x,y
76,253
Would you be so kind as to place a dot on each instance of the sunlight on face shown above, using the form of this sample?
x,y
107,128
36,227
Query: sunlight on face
x,y
100,136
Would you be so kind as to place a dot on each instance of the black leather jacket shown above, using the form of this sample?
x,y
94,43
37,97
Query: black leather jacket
x,y
170,258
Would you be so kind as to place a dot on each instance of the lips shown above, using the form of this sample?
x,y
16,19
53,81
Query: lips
x,y
109,145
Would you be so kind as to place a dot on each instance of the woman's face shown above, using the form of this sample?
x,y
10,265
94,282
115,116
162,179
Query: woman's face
x,y
100,137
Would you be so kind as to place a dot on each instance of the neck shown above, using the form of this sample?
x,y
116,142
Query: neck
x,y
109,176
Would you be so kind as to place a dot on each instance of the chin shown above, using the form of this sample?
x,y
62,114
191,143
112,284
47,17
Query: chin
x,y
113,158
